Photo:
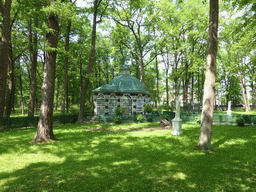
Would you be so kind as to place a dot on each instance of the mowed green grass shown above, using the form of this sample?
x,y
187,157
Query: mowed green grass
x,y
128,161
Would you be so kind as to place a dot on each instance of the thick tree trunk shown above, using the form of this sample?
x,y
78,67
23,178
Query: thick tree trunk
x,y
65,81
11,84
33,66
4,52
204,142
45,129
90,65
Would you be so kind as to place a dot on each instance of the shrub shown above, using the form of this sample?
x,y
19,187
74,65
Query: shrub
x,y
166,117
167,107
240,121
118,120
74,109
147,108
119,111
139,117
198,119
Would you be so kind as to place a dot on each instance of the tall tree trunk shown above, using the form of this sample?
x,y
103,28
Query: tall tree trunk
x,y
253,95
81,72
45,129
65,81
57,95
4,52
157,86
246,102
21,91
204,142
90,65
33,65
198,93
176,84
192,93
11,84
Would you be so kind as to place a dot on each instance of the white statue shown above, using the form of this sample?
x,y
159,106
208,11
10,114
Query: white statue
x,y
177,122
229,109
177,112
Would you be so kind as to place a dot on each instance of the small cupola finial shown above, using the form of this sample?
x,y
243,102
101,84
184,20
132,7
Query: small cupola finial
x,y
125,70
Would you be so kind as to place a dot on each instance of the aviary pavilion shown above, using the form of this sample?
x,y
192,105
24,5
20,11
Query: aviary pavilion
x,y
124,91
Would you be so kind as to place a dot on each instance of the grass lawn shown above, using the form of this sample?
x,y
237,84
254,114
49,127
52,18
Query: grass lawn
x,y
107,160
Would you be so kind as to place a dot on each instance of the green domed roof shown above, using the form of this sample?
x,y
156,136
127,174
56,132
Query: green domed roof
x,y
105,87
124,84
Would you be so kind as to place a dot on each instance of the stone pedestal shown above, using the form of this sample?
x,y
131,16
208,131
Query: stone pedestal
x,y
229,113
229,110
176,126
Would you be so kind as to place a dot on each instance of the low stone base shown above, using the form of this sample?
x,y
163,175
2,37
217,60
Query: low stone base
x,y
176,127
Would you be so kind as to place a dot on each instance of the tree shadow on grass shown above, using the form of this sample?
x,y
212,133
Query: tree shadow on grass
x,y
142,161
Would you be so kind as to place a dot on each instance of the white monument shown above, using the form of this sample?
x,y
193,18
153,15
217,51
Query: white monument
x,y
176,122
229,110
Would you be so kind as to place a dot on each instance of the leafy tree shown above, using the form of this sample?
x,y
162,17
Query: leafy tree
x,y
91,62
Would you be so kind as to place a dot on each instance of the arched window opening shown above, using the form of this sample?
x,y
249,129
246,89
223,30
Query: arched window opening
x,y
126,103
140,104
112,104
100,102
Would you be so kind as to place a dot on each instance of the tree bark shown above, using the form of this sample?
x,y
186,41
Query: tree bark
x,y
90,65
4,52
65,81
192,93
45,129
204,142
33,65
21,92
57,95
11,84
253,95
246,102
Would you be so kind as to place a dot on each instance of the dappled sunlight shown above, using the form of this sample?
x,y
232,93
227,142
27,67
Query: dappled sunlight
x,y
152,160
179,175
233,142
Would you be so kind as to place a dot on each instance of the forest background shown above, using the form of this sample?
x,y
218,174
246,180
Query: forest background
x,y
163,41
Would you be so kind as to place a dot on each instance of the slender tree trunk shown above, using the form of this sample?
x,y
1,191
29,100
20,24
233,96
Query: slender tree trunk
x,y
198,94
192,93
81,73
202,88
176,76
91,62
246,102
65,81
4,52
21,92
57,95
141,68
33,66
204,142
21,99
157,85
253,95
45,129
186,84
